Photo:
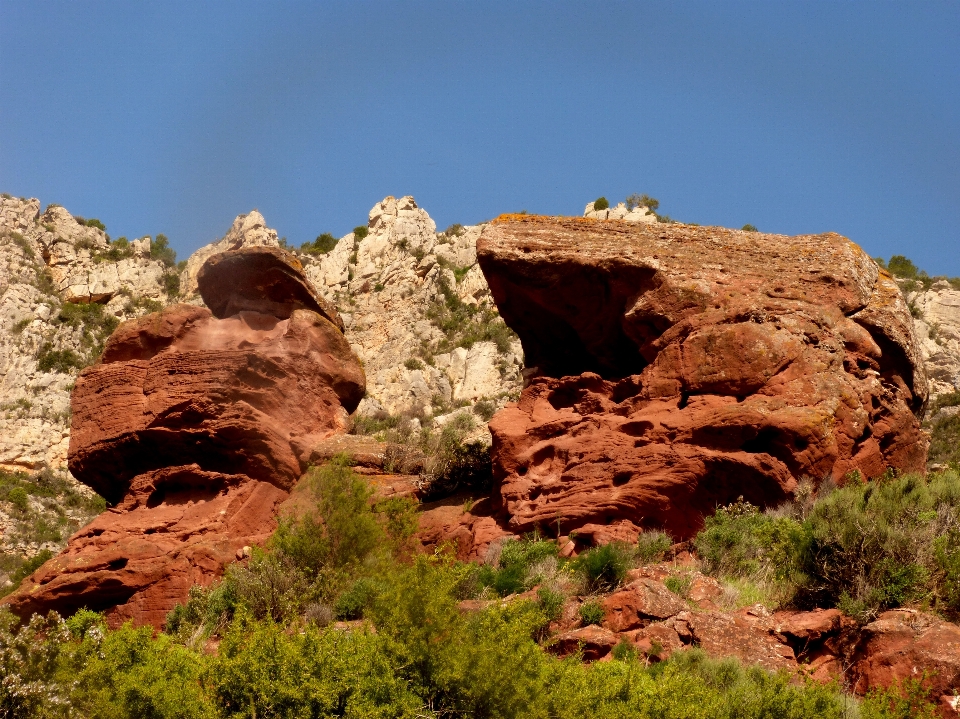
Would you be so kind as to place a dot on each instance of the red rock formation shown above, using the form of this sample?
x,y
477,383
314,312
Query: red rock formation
x,y
683,367
196,427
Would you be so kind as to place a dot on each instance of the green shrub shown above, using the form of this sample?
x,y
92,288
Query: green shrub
x,y
320,246
485,409
18,498
360,232
624,651
601,203
749,228
679,584
171,284
351,603
517,566
414,364
650,203
51,360
604,567
902,267
591,612
550,602
865,547
652,547
160,249
740,541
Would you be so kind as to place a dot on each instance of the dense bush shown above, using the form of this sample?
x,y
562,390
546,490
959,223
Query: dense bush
x,y
604,567
749,228
320,246
865,547
160,249
601,203
360,232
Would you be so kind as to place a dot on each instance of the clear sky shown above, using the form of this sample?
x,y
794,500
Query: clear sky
x,y
797,117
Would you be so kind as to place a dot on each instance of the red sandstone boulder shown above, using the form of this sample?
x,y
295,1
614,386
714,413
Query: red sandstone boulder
x,y
268,280
747,638
684,367
592,641
196,425
907,644
640,603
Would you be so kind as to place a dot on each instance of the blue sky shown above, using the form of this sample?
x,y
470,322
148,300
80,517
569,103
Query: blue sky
x,y
797,117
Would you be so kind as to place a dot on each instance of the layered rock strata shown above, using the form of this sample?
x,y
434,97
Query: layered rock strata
x,y
678,368
195,425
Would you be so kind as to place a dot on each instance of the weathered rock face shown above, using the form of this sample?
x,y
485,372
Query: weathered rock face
x,y
248,230
388,287
196,427
938,330
48,259
683,367
620,212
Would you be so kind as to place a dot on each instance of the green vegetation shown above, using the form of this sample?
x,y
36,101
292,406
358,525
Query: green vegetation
x,y
445,462
749,228
414,364
360,231
92,222
44,507
865,547
464,324
945,442
591,612
95,327
650,203
414,652
160,249
320,246
600,203
903,268
119,249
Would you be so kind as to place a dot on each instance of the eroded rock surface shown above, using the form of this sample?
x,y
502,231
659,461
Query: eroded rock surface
x,y
195,427
677,368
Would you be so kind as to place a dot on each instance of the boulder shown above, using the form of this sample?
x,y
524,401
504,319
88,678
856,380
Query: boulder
x,y
640,603
742,636
906,644
196,427
674,369
267,280
592,642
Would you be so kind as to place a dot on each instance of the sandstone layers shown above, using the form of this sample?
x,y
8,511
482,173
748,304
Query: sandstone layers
x,y
196,424
676,368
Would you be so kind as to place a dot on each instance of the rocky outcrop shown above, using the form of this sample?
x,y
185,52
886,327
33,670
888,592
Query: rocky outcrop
x,y
248,230
51,265
393,288
622,212
677,368
937,323
196,424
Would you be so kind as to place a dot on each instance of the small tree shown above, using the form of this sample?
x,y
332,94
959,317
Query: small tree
x,y
601,203
749,228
